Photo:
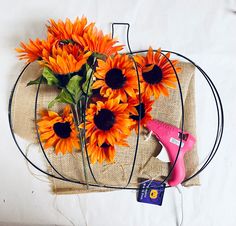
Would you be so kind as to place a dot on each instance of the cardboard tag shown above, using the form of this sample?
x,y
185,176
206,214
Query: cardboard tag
x,y
151,192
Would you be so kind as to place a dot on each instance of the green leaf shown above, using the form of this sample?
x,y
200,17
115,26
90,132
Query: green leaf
x,y
99,56
74,88
87,85
63,97
37,81
50,77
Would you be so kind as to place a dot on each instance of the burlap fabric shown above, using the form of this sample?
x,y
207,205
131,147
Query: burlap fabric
x,y
147,166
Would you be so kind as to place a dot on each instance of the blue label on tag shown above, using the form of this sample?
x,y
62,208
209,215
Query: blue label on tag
x,y
151,192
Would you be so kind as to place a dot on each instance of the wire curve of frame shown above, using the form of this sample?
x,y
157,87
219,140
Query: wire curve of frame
x,y
218,136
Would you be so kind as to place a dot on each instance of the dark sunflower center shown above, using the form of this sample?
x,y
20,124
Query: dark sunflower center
x,y
104,120
115,79
153,76
62,129
136,117
105,145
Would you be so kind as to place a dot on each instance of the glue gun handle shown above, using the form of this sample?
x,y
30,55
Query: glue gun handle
x,y
178,173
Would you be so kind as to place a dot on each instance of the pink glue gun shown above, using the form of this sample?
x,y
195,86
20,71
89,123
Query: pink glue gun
x,y
170,136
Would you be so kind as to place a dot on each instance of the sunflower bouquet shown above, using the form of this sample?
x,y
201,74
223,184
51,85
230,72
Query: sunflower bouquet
x,y
107,94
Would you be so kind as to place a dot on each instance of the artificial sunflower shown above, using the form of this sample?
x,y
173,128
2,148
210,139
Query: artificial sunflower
x,y
116,77
101,153
107,122
58,131
94,40
34,49
64,31
66,59
140,110
156,73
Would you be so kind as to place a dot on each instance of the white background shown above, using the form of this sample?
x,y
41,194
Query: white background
x,y
203,30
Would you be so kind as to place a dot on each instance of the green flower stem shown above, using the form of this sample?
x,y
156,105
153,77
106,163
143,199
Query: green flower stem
x,y
77,121
82,136
78,110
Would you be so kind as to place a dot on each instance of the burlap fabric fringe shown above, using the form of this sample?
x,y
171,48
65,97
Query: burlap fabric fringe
x,y
147,166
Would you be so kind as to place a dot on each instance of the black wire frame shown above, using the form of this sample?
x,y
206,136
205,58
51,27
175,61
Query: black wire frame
x,y
220,124
218,138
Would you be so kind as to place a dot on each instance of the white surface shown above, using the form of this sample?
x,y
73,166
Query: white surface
x,y
203,30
